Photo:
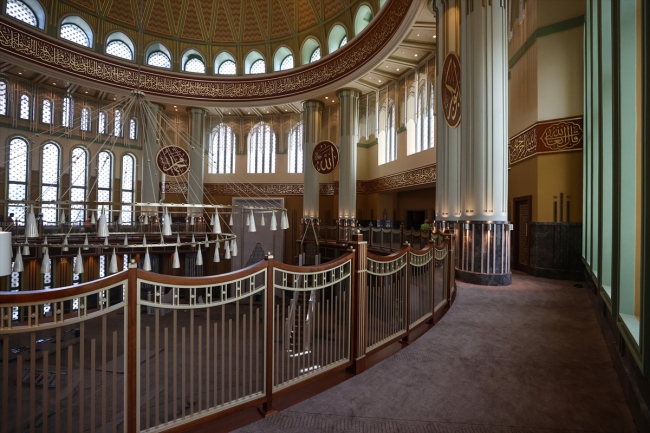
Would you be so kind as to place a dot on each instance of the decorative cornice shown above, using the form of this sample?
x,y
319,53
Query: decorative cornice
x,y
50,52
416,177
549,136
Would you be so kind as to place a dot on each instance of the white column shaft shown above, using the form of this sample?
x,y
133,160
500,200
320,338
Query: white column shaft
x,y
311,130
349,122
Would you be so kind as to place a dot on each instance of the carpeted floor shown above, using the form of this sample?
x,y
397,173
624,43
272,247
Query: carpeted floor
x,y
525,358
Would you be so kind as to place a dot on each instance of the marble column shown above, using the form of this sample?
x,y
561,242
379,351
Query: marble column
x,y
311,130
150,176
197,157
485,231
349,124
448,195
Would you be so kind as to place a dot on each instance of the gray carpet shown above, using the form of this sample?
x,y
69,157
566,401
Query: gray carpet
x,y
525,358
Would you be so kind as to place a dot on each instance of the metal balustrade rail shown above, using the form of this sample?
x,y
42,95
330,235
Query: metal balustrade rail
x,y
139,351
378,238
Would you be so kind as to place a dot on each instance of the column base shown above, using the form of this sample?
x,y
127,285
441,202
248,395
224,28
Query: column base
x,y
484,253
484,279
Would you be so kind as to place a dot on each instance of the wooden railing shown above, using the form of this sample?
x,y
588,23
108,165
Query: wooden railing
x,y
152,352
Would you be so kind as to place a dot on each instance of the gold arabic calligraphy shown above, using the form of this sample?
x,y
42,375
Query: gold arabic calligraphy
x,y
173,160
562,135
451,89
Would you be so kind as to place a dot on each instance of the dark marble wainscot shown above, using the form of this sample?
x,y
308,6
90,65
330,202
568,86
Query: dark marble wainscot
x,y
555,250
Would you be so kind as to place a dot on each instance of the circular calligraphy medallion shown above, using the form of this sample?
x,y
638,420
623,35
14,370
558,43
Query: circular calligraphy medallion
x,y
325,157
173,160
451,89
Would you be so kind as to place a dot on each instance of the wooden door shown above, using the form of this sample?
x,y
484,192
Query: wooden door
x,y
520,258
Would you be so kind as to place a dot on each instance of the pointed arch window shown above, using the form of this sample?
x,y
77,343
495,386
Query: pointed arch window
x,y
17,177
391,138
85,119
101,122
3,98
133,129
66,112
24,107
432,116
296,146
46,112
261,149
117,123
128,188
50,174
22,12
78,183
222,150
104,180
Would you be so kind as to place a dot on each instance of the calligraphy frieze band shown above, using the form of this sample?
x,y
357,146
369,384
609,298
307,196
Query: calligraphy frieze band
x,y
420,176
549,136
47,51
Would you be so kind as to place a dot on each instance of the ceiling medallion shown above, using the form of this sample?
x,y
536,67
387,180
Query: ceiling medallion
x,y
451,89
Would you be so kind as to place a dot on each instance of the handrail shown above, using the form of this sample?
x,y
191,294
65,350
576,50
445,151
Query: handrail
x,y
315,268
173,280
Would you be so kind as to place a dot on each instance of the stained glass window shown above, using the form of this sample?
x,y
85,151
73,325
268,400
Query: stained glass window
x,y
119,49
343,41
50,169
261,150
287,63
104,180
296,149
117,123
24,107
78,178
228,68
66,112
85,119
391,139
74,33
258,67
46,112
222,151
17,178
128,188
133,129
101,122
22,12
195,64
315,55
160,59
3,98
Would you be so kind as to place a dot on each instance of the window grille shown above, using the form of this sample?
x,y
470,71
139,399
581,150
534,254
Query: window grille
x,y
24,107
74,33
261,150
85,119
258,67
22,12
78,179
133,129
160,59
128,188
222,150
50,170
391,144
104,180
315,55
195,64
228,68
117,123
46,112
287,63
17,178
296,146
101,122
66,112
3,98
119,49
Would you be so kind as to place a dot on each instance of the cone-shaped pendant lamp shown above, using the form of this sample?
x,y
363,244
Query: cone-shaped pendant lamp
x,y
26,251
233,247
146,265
145,219
126,240
112,267
167,224
61,217
199,258
274,222
44,249
216,223
86,246
262,221
227,248
230,222
207,245
102,226
46,267
251,225
65,242
19,266
79,264
191,220
248,220
178,238
216,253
284,221
193,240
176,263
144,240
31,229
93,218
106,241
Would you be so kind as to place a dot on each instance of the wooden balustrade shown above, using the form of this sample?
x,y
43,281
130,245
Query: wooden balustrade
x,y
172,352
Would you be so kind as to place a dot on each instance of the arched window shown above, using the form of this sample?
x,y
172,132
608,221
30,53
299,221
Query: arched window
x,y
287,63
67,112
337,38
78,181
228,68
50,170
25,109
118,48
296,146
104,180
17,177
128,188
21,11
258,67
422,121
194,63
391,138
315,55
159,59
133,129
101,122
73,33
117,124
310,51
46,112
3,98
85,119
362,19
261,149
222,150
432,116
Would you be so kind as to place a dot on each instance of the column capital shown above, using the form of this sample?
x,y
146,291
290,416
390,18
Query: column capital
x,y
197,110
312,103
348,91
